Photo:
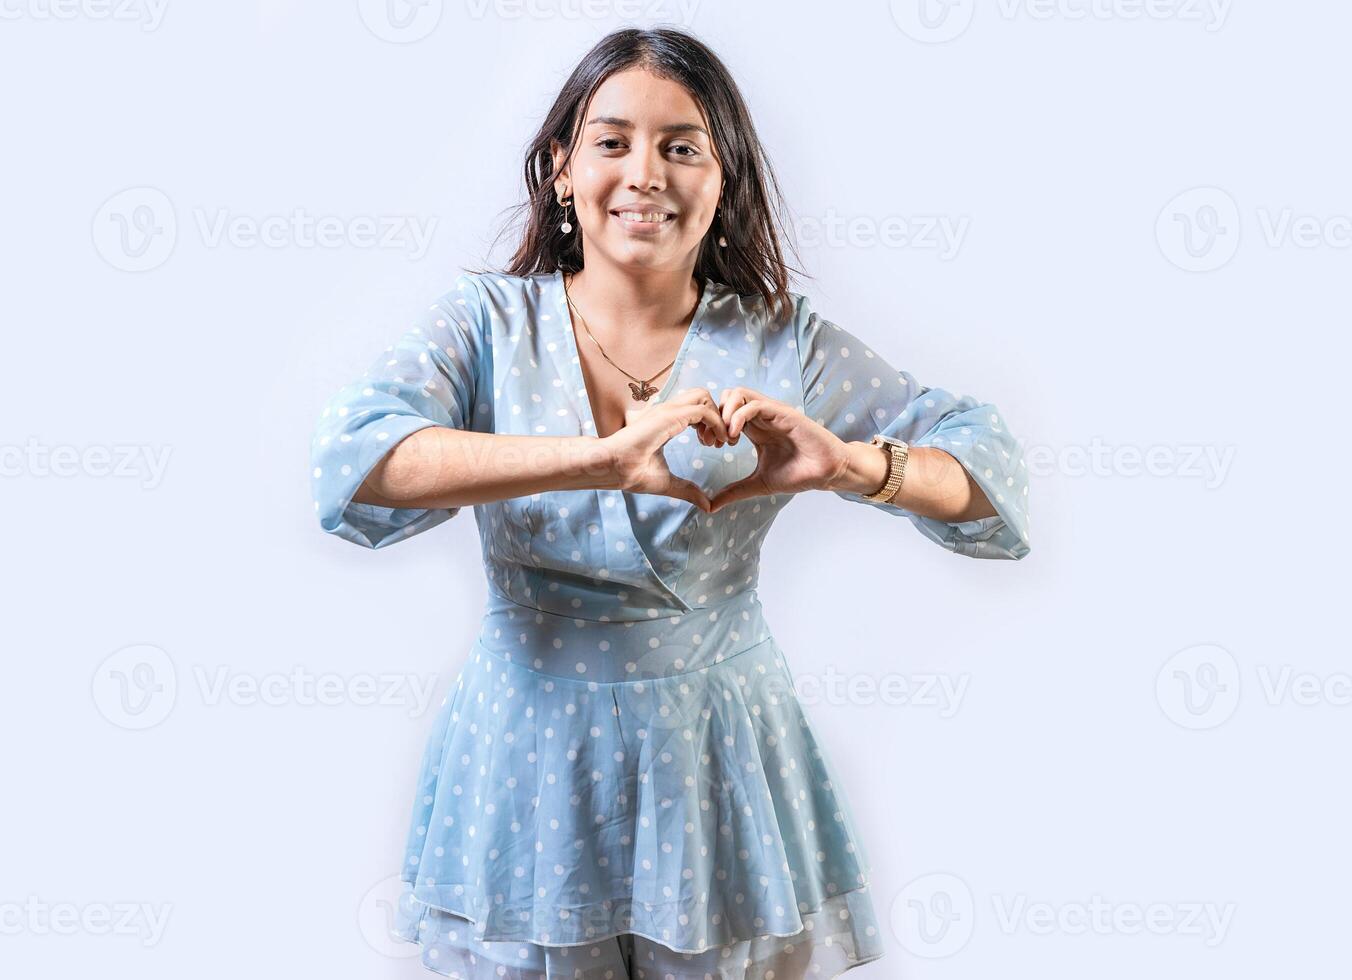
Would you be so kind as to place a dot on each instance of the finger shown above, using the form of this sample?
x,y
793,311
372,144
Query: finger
x,y
733,399
714,421
696,396
744,414
713,425
704,413
765,415
749,486
708,428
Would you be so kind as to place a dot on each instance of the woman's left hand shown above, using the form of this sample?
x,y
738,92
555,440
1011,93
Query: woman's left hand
x,y
793,453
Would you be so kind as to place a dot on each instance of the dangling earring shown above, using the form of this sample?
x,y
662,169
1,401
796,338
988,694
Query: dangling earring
x,y
722,240
566,227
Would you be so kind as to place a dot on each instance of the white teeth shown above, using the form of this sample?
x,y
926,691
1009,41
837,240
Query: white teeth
x,y
641,216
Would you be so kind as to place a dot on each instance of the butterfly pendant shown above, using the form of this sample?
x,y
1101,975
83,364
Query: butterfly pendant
x,y
642,391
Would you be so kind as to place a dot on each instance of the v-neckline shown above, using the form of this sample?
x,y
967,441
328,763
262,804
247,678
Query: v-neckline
x,y
582,393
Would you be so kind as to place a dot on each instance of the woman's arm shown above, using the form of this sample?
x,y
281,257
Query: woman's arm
x,y
936,485
439,467
980,510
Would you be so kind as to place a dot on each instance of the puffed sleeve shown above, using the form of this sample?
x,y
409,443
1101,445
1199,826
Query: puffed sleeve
x,y
429,376
850,390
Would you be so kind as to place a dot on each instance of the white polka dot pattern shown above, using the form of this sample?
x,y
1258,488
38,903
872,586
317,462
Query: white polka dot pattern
x,y
427,377
688,804
622,781
856,394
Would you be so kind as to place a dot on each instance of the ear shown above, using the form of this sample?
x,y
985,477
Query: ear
x,y
560,157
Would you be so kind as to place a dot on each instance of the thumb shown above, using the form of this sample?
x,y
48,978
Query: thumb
x,y
683,489
749,486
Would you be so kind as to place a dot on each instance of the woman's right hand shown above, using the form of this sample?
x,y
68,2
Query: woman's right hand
x,y
636,450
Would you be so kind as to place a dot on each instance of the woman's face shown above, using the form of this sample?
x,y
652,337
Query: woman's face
x,y
644,146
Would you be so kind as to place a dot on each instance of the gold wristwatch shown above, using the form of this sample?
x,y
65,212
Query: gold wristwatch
x,y
897,454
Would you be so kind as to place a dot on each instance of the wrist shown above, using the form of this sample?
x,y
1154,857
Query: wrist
x,y
864,470
593,464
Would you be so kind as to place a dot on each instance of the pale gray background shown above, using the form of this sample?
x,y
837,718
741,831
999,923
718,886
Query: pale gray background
x,y
1150,712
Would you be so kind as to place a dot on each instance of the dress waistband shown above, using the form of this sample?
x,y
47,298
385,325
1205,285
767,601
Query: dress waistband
x,y
624,650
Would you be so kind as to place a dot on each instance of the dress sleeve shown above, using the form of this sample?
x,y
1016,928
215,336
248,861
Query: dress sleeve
x,y
427,377
850,390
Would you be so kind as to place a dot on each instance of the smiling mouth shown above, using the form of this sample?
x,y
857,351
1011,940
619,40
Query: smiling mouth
x,y
643,218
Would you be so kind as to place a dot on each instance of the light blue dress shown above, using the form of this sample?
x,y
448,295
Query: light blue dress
x,y
622,777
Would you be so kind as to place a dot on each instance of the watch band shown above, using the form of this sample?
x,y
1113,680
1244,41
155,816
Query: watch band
x,y
897,454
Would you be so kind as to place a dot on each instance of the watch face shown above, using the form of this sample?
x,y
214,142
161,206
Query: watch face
x,y
882,439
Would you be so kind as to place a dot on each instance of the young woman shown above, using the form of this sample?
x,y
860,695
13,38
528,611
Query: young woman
x,y
622,782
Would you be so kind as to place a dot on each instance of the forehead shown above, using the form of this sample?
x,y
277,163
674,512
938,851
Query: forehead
x,y
644,99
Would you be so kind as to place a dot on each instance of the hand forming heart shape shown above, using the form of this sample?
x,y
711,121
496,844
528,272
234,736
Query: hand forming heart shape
x,y
793,453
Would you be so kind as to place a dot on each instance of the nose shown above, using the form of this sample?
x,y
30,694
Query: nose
x,y
646,170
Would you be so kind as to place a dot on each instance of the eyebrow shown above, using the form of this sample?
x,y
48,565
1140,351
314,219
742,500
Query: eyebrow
x,y
626,124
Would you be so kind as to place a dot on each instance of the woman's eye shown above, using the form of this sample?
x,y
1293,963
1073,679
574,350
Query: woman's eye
x,y
683,149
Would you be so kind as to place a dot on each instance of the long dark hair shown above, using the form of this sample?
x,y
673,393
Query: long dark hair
x,y
751,214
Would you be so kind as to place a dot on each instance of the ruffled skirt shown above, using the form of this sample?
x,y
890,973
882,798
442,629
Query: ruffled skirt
x,y
682,824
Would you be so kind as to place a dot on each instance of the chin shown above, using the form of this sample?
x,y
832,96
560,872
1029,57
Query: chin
x,y
640,256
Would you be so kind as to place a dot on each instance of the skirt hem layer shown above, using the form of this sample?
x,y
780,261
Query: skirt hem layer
x,y
448,937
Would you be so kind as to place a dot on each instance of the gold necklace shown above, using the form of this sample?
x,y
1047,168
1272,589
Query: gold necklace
x,y
639,389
